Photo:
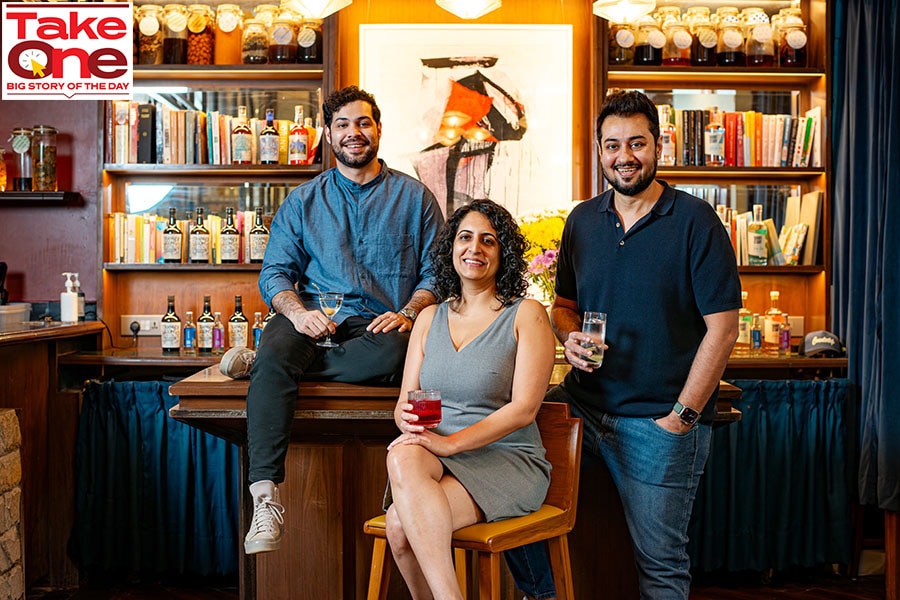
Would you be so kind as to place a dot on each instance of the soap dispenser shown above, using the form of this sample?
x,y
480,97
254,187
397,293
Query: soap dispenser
x,y
68,302
76,287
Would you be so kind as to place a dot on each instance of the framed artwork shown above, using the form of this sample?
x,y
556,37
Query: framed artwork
x,y
475,111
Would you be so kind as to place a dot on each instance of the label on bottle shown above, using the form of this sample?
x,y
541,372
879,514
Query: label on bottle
x,y
682,39
732,38
268,149
149,26
657,39
227,21
190,337
218,338
306,37
240,148
258,243
171,335
297,148
257,335
707,38
625,38
171,246
796,39
714,142
205,335
757,247
762,33
176,21
199,247
237,334
668,148
744,332
773,331
230,247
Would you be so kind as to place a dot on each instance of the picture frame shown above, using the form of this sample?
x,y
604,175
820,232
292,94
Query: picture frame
x,y
420,74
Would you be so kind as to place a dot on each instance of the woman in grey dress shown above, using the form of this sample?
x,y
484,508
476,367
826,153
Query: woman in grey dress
x,y
490,353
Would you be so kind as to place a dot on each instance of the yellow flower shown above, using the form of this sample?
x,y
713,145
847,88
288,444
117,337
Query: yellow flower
x,y
543,233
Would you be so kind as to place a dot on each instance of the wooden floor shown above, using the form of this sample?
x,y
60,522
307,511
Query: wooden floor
x,y
796,586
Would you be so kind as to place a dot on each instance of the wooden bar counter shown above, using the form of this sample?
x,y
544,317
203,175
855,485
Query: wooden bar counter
x,y
335,477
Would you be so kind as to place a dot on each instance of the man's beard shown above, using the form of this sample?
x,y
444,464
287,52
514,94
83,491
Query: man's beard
x,y
632,189
357,161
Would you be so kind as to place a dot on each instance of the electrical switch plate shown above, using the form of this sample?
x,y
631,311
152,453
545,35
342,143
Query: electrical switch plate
x,y
150,325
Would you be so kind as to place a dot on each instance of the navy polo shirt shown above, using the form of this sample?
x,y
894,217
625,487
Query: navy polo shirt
x,y
655,283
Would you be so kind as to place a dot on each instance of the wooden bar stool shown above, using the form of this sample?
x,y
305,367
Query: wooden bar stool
x,y
561,434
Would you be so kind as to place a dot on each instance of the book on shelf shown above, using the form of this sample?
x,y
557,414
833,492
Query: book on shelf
x,y
121,131
815,160
811,214
775,256
799,140
146,145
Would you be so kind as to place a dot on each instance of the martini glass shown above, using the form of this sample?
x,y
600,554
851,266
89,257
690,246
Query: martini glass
x,y
330,303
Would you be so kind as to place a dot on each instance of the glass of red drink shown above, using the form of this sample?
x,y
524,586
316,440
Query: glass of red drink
x,y
426,404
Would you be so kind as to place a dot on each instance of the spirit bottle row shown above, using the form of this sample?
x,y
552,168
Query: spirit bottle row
x,y
208,335
200,244
767,335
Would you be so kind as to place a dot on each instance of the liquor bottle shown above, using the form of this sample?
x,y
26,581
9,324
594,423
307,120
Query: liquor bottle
x,y
298,141
268,140
259,238
714,140
238,326
667,137
170,329
784,343
757,239
218,334
257,329
241,135
313,139
756,337
772,327
269,316
190,333
205,324
745,322
173,238
229,239
198,242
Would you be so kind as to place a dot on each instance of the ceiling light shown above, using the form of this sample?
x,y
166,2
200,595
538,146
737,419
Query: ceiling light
x,y
623,11
469,9
318,9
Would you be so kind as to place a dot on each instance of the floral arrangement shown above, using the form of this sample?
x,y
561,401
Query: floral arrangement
x,y
543,231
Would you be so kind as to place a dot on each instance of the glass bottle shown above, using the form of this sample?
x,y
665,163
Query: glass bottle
x,y
218,334
173,240
170,329
175,34
254,43
238,326
313,140
257,329
229,239
21,145
269,316
43,158
756,337
759,49
282,42
621,44
792,42
309,42
784,337
201,36
745,322
241,138
259,238
677,51
2,171
298,140
189,332
730,44
757,239
268,140
150,35
714,140
205,324
667,135
648,43
229,31
772,328
198,240
703,49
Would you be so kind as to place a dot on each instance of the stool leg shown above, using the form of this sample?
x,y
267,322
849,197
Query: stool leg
x,y
488,576
380,573
459,560
558,548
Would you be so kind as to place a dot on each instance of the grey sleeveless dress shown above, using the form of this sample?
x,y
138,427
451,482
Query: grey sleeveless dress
x,y
509,477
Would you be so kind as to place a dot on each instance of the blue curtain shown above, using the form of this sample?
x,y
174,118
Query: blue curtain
x,y
775,493
152,495
866,253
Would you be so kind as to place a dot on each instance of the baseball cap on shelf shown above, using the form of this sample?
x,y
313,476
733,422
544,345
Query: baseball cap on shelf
x,y
822,343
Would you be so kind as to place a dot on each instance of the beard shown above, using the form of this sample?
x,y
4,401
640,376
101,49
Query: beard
x,y
356,161
641,183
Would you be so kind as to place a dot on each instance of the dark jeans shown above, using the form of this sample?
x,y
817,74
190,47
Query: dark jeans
x,y
285,357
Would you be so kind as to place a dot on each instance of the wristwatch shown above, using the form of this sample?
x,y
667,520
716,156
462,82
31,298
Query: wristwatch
x,y
687,415
409,313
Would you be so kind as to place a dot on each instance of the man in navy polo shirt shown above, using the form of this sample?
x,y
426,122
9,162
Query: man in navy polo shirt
x,y
659,262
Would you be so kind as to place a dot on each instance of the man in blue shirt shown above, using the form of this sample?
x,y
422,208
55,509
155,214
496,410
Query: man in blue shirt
x,y
659,263
361,229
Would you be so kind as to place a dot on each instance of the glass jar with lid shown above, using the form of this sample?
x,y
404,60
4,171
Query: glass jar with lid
x,y
21,145
730,44
759,49
621,44
43,158
150,36
705,40
648,42
792,42
282,42
309,42
200,34
665,13
694,14
677,51
175,34
229,32
266,13
255,43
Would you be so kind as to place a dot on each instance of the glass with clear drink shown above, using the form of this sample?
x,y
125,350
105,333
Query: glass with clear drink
x,y
426,404
594,325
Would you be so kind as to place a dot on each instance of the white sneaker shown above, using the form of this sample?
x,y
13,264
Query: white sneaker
x,y
266,528
237,362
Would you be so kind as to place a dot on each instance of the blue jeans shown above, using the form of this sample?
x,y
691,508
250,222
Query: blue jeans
x,y
656,473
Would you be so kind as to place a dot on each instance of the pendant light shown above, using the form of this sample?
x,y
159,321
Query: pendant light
x,y
318,9
623,11
469,9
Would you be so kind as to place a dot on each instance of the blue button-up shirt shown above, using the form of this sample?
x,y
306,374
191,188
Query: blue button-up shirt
x,y
368,241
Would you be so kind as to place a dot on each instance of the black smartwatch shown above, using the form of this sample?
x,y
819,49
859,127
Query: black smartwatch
x,y
408,313
687,415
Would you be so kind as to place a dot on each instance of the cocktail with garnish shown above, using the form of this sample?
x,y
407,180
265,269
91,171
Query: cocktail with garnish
x,y
330,303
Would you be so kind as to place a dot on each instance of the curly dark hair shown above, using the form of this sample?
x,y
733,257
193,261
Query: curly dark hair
x,y
337,99
511,282
624,103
